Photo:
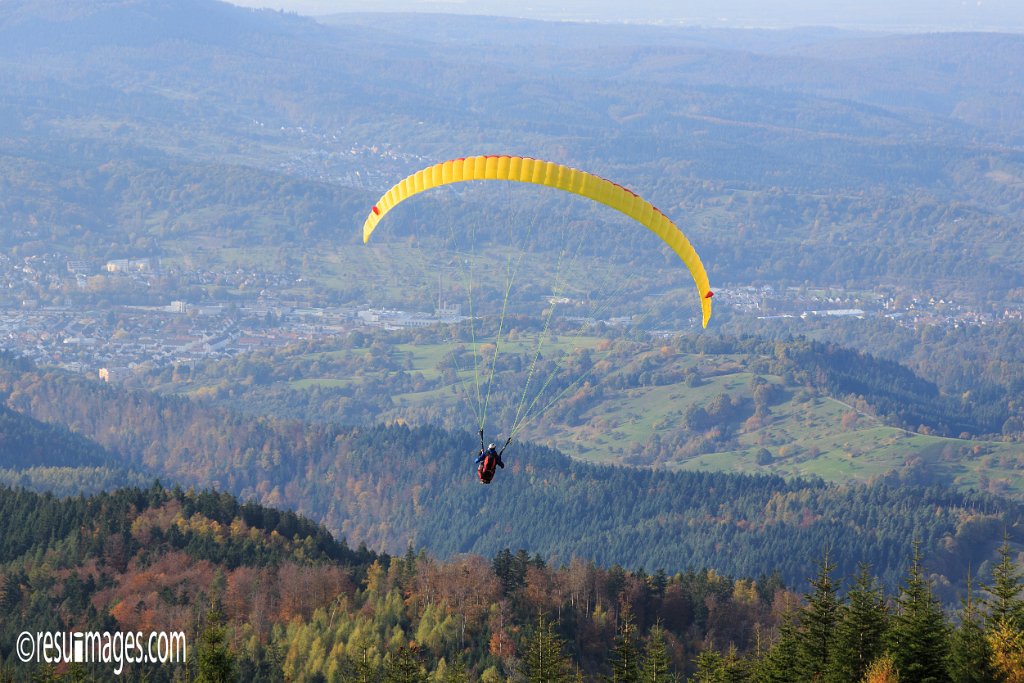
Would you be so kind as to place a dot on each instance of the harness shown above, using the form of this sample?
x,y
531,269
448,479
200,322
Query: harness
x,y
487,468
489,465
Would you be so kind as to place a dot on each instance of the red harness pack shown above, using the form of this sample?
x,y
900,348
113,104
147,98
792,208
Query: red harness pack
x,y
487,468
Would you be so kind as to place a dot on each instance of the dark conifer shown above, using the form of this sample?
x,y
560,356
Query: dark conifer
x,y
656,666
1005,603
216,660
860,631
818,624
625,657
503,569
360,669
543,660
780,663
737,668
44,673
404,667
455,673
970,657
918,637
710,667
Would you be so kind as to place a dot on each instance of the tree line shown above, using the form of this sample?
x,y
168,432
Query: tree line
x,y
391,485
268,596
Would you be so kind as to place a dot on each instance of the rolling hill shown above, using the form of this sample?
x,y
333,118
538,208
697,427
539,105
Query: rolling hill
x,y
796,409
391,486
808,155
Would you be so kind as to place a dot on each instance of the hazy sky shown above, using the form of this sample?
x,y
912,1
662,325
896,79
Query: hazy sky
x,y
914,15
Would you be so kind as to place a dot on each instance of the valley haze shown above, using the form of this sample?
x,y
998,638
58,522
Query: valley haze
x,y
901,15
222,414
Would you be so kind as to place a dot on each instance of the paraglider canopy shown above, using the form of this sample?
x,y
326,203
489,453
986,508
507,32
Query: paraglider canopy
x,y
550,174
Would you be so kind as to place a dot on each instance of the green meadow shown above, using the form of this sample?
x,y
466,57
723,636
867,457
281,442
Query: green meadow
x,y
801,434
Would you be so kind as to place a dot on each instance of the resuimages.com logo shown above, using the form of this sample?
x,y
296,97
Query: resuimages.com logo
x,y
93,647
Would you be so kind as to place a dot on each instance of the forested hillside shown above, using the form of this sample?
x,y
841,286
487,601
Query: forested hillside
x,y
793,495
790,407
51,457
153,559
48,457
240,150
390,486
888,164
584,371
986,360
263,595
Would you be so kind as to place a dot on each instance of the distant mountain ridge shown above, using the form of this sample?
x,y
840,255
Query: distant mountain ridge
x,y
71,25
908,15
894,148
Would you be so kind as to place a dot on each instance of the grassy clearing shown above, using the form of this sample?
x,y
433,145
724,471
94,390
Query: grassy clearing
x,y
806,434
871,450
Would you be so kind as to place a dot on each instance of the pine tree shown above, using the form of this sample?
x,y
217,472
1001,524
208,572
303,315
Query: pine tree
x,y
10,591
1005,603
455,673
76,673
710,667
625,655
407,567
860,630
818,624
656,665
404,667
361,669
543,659
970,657
737,669
216,661
44,673
503,569
713,667
779,664
918,638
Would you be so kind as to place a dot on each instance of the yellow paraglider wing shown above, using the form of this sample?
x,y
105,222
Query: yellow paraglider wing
x,y
526,170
